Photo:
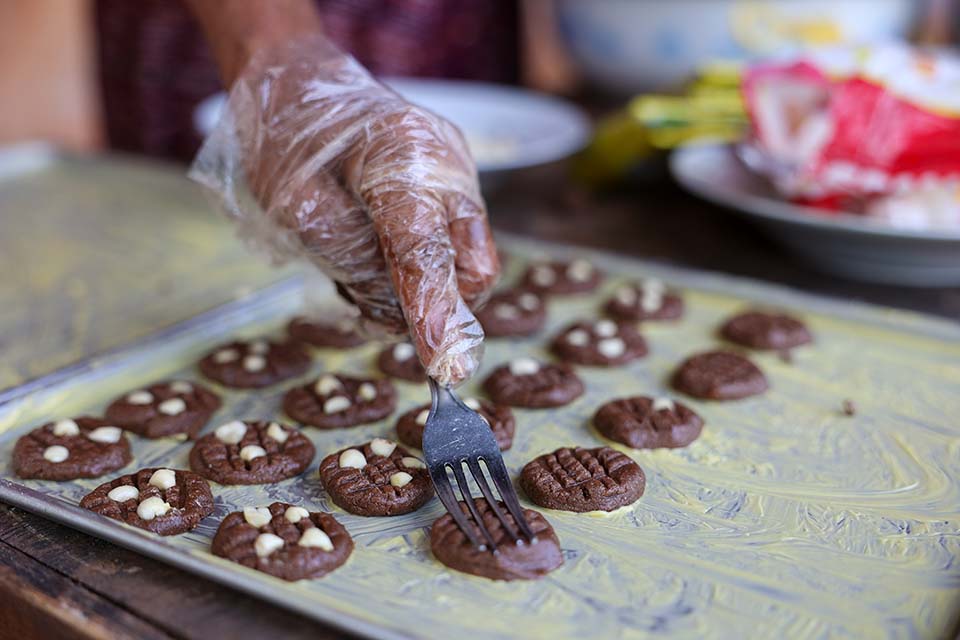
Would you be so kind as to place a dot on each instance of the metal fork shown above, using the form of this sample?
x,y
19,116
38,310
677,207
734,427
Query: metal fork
x,y
455,435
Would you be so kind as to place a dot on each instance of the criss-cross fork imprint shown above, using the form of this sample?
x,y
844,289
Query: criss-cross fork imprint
x,y
455,435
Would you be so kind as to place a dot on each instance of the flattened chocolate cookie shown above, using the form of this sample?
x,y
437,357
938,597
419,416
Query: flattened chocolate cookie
x,y
500,418
379,478
283,540
164,501
524,382
165,409
578,479
719,375
251,453
341,334
764,330
562,278
255,364
603,343
83,447
513,313
334,401
512,561
401,361
648,299
647,423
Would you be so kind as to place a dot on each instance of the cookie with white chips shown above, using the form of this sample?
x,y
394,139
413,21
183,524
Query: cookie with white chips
x,y
329,334
165,409
284,540
642,422
379,478
164,501
526,382
500,418
562,278
333,401
647,299
71,448
251,452
601,343
401,361
513,313
256,363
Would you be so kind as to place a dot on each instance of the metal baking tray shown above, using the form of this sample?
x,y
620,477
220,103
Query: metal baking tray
x,y
786,517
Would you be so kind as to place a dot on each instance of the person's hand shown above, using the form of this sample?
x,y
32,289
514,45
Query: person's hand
x,y
380,194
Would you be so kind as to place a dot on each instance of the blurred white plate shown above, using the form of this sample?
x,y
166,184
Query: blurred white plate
x,y
848,245
506,127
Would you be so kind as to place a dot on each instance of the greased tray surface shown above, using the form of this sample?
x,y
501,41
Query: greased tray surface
x,y
785,518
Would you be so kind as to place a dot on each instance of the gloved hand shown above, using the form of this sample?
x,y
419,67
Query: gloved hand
x,y
378,193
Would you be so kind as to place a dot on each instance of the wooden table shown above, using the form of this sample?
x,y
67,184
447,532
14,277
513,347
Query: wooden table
x,y
55,582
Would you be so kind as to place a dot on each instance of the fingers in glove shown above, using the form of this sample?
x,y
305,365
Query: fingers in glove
x,y
476,259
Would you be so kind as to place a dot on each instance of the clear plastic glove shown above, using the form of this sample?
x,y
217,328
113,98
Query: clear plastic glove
x,y
378,193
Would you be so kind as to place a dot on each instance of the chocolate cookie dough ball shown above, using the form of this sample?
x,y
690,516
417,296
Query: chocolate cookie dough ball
x,y
766,330
719,375
254,452
648,299
334,401
513,313
500,418
164,501
67,449
338,334
283,540
562,278
525,382
165,409
602,343
379,478
578,479
255,363
401,361
641,422
512,561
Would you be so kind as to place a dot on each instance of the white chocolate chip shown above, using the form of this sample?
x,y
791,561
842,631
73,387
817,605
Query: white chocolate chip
x,y
422,417
473,403
105,435
543,275
267,543
231,432
254,363
140,397
605,328
295,514
626,295
351,458
153,507
259,347
506,311
257,516
172,406
367,391
315,537
181,386
252,452
123,493
327,384
64,428
611,347
56,453
524,367
412,463
382,446
579,270
652,300
277,432
163,479
578,338
226,355
400,479
528,302
336,404
653,284
403,351
660,404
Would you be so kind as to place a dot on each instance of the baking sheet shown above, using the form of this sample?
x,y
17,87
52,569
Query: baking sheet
x,y
785,518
